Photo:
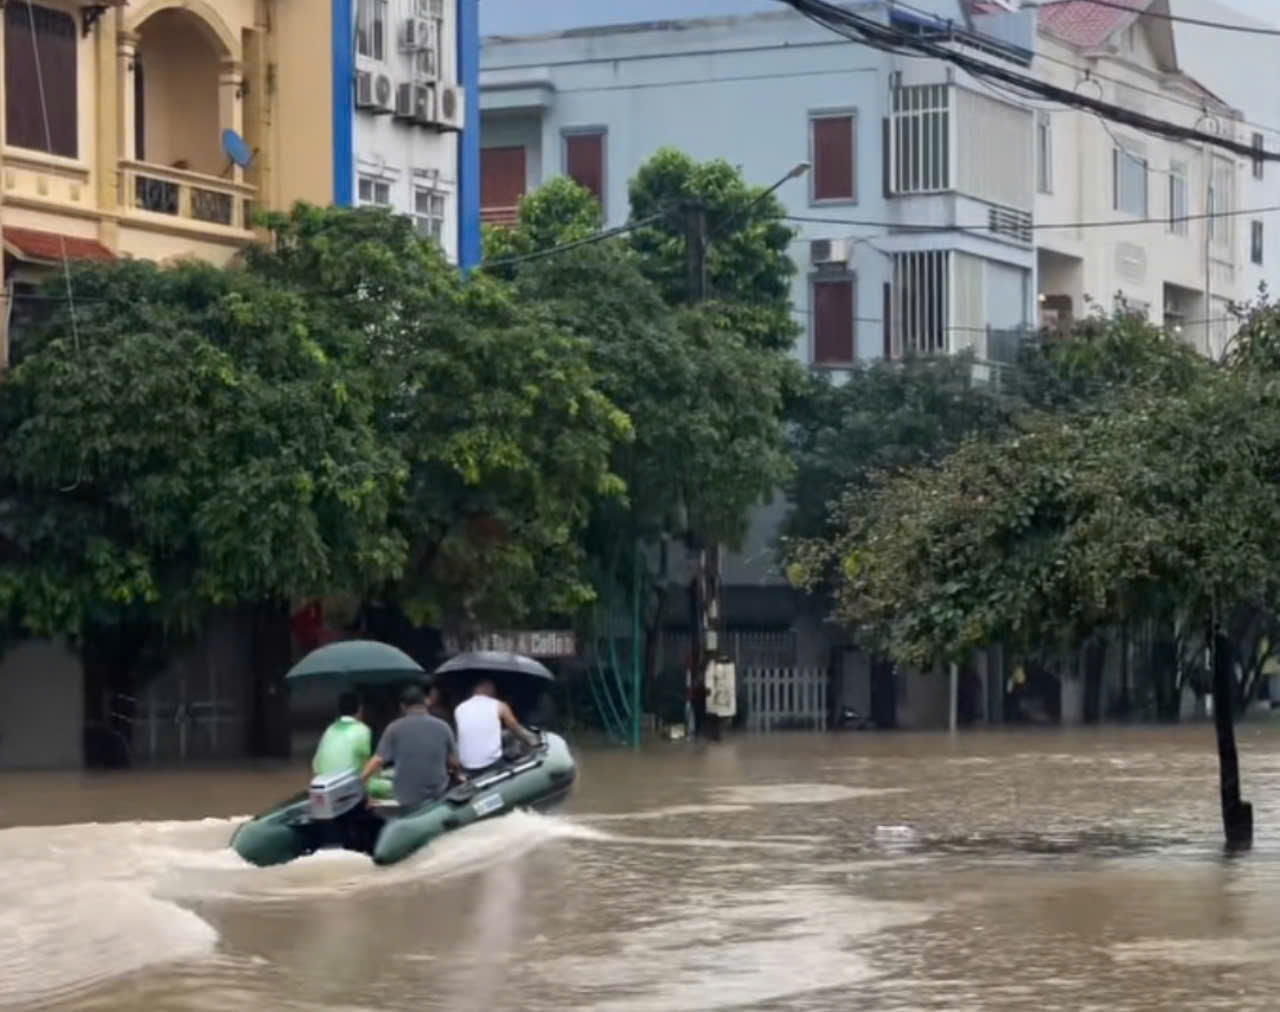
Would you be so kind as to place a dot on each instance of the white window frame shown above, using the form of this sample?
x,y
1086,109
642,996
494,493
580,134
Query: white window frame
x,y
434,224
850,113
1129,164
368,14
915,114
1044,153
1179,206
374,183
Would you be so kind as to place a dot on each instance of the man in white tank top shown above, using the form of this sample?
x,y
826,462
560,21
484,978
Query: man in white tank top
x,y
480,721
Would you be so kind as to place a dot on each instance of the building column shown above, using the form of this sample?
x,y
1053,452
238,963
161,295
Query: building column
x,y
230,104
126,107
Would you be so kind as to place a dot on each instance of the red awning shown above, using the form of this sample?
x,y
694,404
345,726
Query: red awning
x,y
50,247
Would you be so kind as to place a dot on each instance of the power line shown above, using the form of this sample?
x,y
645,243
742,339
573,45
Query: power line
x,y
608,233
893,226
878,36
1223,26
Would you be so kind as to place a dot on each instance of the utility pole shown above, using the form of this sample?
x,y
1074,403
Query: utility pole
x,y
706,582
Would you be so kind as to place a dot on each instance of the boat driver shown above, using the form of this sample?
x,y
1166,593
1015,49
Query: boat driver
x,y
480,721
422,749
347,744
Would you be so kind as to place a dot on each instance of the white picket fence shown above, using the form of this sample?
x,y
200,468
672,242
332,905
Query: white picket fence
x,y
786,698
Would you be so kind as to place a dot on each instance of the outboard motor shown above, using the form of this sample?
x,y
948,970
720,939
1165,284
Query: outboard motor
x,y
340,817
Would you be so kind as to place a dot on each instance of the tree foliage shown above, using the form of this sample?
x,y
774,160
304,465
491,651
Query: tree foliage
x,y
341,413
704,393
1143,486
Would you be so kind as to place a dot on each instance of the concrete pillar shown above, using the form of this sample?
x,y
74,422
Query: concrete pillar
x,y
126,107
230,104
954,704
107,137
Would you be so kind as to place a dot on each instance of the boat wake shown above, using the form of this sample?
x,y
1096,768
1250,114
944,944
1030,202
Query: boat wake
x,y
83,905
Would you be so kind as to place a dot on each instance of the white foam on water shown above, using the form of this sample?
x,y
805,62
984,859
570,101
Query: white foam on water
x,y
669,812
1200,952
799,794
84,904
718,953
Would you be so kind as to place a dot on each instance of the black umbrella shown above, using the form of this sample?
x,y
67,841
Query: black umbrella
x,y
519,680
494,662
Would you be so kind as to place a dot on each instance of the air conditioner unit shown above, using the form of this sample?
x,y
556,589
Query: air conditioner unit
x,y
383,93
424,104
429,8
364,90
829,251
450,106
425,66
418,34
404,101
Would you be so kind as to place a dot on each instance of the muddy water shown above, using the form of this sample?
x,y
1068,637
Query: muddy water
x,y
1009,871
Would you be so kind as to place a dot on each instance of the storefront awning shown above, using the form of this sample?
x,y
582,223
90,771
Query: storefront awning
x,y
36,247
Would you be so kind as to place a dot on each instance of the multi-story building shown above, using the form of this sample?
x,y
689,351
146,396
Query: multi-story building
x,y
1149,223
114,125
1241,69
913,223
405,127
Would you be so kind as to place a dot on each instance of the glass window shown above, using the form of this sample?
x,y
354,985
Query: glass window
x,y
428,214
1129,176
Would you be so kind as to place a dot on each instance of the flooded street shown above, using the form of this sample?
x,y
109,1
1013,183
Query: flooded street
x,y
1070,871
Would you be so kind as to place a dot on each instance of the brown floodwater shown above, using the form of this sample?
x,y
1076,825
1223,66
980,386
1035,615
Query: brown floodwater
x,y
1045,871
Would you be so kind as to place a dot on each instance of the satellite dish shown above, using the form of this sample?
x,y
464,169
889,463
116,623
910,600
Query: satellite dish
x,y
235,148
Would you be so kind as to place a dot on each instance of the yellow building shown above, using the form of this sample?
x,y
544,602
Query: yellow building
x,y
114,118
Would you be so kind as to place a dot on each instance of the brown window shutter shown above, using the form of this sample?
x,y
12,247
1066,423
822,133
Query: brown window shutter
x,y
24,120
833,322
584,162
833,158
502,176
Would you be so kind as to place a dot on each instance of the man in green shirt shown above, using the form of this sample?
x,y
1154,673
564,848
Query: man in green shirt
x,y
347,744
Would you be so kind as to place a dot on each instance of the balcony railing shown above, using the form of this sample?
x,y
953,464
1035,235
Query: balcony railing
x,y
190,196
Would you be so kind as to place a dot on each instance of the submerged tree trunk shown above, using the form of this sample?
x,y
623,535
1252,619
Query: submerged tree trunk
x,y
1237,814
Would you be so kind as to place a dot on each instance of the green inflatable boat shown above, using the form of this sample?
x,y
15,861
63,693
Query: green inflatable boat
x,y
334,812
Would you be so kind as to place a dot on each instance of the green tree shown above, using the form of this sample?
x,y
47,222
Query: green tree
x,y
505,429
188,441
705,397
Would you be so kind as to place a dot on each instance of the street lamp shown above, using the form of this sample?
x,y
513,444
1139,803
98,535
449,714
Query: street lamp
x,y
797,170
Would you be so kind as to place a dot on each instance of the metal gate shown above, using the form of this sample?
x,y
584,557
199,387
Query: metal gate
x,y
781,699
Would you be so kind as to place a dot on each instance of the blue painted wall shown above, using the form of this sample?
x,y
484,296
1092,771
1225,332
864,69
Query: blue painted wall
x,y
469,248
344,69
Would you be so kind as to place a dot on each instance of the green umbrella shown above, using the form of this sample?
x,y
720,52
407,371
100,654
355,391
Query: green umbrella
x,y
364,661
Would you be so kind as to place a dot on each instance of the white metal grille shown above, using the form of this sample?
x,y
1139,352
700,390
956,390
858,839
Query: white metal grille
x,y
921,300
1008,222
920,149
786,698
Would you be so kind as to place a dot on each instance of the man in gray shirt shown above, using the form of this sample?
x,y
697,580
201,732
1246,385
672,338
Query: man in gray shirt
x,y
422,749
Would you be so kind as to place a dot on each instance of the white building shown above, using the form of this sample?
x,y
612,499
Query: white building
x,y
1155,222
409,112
1242,69
925,240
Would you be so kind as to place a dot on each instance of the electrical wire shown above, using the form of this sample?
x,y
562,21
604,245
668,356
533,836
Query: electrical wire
x,y
48,142
894,226
1223,26
601,236
878,36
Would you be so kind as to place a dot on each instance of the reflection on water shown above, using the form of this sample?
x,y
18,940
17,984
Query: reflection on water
x,y
1004,872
